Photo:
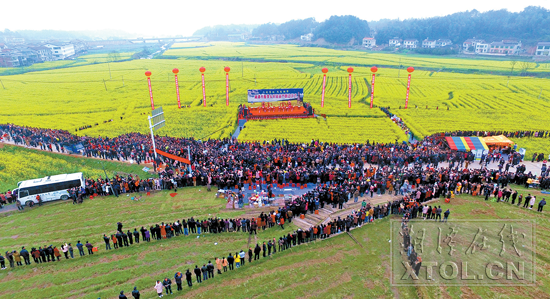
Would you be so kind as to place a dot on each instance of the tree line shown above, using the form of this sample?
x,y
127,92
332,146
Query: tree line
x,y
529,26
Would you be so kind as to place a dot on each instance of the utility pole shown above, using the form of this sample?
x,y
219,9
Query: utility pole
x,y
122,80
540,93
2,84
242,69
105,84
108,65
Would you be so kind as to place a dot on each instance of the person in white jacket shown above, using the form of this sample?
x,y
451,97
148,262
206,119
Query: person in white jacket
x,y
158,288
532,202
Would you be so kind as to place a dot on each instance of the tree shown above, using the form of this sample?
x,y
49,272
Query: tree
x,y
342,29
513,63
113,56
524,66
296,28
266,30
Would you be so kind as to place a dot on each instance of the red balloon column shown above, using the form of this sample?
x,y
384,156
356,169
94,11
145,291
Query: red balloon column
x,y
350,70
325,71
410,69
148,74
373,70
202,70
176,71
227,69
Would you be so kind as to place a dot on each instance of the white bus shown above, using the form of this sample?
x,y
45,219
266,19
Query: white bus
x,y
49,188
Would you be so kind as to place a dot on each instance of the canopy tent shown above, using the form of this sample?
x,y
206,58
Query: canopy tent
x,y
466,143
499,140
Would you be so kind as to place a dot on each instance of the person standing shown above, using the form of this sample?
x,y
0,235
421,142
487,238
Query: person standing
x,y
178,277
136,235
2,262
17,258
107,242
56,253
36,256
167,283
130,237
122,296
231,261
204,271
71,253
219,265
197,273
65,250
158,288
26,256
80,247
237,260
224,264
446,215
527,200
257,251
135,293
532,202
90,247
542,203
243,257
189,278
210,268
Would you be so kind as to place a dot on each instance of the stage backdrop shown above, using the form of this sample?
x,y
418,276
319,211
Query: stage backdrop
x,y
275,95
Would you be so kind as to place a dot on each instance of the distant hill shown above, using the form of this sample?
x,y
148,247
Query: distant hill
x,y
529,26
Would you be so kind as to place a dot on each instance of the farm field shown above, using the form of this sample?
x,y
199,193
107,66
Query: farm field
x,y
334,129
118,102
334,268
19,164
289,52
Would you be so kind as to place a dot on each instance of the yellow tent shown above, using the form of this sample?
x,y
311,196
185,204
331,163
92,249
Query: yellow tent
x,y
499,140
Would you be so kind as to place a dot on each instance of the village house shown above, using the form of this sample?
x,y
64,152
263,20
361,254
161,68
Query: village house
x,y
469,45
507,47
543,49
395,42
61,51
410,43
428,43
369,42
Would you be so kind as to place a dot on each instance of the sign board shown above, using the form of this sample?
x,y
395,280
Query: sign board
x,y
275,95
146,169
522,152
157,120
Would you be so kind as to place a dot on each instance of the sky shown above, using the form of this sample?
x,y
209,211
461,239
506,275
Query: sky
x,y
183,17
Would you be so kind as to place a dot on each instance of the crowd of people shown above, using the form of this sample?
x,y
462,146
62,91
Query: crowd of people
x,y
340,173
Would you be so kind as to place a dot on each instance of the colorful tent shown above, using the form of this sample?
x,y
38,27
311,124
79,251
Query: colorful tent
x,y
466,143
499,140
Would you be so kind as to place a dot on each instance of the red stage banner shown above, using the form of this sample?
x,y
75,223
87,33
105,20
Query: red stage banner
x,y
178,92
226,89
349,92
372,91
174,157
203,91
151,93
323,94
408,88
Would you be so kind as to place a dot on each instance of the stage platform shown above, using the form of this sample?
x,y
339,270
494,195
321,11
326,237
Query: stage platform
x,y
258,113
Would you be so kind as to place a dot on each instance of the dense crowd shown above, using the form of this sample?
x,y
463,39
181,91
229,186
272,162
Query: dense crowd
x,y
340,173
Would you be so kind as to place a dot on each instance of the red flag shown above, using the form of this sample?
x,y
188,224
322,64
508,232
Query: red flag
x,y
148,193
173,194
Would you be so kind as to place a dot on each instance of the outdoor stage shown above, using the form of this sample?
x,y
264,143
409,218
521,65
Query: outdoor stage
x,y
275,104
270,112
